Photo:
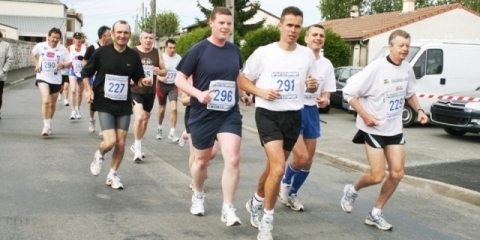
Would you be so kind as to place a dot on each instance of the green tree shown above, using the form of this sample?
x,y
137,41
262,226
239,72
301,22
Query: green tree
x,y
240,16
335,9
473,4
186,41
167,23
336,49
381,6
134,41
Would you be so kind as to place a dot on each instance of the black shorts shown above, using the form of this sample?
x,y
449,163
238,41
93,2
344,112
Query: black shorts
x,y
65,79
377,141
147,100
281,125
54,88
204,133
166,90
187,116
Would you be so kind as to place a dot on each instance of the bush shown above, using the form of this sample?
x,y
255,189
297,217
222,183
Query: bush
x,y
186,41
335,49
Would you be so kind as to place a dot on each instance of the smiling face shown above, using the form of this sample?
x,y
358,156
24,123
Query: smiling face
x,y
221,25
146,40
54,38
315,38
121,33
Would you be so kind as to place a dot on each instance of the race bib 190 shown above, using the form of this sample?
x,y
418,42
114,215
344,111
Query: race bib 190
x,y
116,87
223,95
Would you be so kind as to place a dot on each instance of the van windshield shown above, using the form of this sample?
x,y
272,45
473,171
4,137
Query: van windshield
x,y
385,51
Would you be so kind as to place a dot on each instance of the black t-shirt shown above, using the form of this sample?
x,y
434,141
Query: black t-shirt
x,y
106,61
90,50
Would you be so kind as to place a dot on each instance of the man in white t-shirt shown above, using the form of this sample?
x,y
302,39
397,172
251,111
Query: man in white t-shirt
x,y
378,95
49,58
284,71
166,88
297,171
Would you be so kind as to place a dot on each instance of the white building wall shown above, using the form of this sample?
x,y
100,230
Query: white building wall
x,y
32,9
259,16
9,32
457,25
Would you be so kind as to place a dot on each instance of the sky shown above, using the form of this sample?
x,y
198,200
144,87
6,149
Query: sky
x,y
105,12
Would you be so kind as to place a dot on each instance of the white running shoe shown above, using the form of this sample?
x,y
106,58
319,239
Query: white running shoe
x,y
159,134
142,154
191,185
197,207
265,230
59,97
65,103
182,141
378,221
348,199
284,193
173,136
46,131
91,126
97,163
255,213
100,133
114,181
229,217
78,114
73,115
294,203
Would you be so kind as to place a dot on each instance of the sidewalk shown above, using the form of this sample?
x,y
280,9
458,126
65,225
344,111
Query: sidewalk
x,y
19,75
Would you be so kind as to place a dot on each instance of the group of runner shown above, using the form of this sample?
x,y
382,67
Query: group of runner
x,y
289,81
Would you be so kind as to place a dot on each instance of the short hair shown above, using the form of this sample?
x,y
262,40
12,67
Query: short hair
x,y
171,41
147,31
121,22
102,30
398,32
291,11
220,11
55,30
313,26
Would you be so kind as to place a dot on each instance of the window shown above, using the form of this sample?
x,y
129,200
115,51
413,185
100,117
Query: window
x,y
70,25
344,76
429,63
337,72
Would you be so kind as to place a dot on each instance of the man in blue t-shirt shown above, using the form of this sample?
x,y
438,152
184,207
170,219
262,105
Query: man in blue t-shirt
x,y
214,114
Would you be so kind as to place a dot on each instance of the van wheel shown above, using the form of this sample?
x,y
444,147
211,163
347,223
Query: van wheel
x,y
455,131
408,116
324,110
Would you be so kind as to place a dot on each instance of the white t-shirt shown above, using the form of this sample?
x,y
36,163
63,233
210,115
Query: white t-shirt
x,y
49,58
76,63
275,68
381,89
171,65
326,81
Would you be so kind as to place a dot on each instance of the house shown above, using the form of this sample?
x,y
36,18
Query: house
x,y
9,31
34,18
74,24
368,34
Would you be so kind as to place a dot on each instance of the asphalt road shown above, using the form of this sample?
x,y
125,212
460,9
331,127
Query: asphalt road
x,y
48,192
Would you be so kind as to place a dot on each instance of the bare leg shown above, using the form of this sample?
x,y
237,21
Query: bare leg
x,y
396,161
230,146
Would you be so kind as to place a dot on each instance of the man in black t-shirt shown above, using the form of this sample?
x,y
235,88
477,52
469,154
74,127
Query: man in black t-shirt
x,y
115,65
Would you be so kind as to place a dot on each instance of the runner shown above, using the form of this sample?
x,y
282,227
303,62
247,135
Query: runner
x,y
297,171
144,98
214,111
166,88
77,51
104,37
378,95
283,71
49,57
65,88
115,65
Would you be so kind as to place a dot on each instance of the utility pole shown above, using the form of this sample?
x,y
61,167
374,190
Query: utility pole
x,y
154,22
231,6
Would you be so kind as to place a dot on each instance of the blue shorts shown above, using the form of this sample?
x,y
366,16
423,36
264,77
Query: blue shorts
x,y
204,133
72,73
310,122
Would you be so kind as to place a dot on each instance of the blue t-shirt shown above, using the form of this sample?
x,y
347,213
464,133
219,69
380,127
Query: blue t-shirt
x,y
208,62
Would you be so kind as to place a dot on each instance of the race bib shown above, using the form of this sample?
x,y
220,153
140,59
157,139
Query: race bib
x,y
395,102
77,66
116,87
148,70
287,83
223,95
49,65
171,76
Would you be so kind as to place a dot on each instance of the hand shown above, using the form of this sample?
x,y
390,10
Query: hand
x,y
370,120
422,117
37,69
322,102
156,71
270,94
147,81
60,66
311,83
89,95
247,100
161,79
204,97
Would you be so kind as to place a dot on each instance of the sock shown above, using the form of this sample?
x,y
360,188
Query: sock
x,y
198,194
159,127
376,211
46,122
268,214
298,180
172,130
227,206
257,200
112,172
352,189
92,119
76,109
289,172
138,144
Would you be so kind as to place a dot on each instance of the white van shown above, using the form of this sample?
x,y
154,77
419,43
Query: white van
x,y
441,68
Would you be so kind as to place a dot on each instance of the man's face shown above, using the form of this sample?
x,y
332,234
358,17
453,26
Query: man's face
x,y
315,38
54,39
221,26
290,28
121,34
170,48
146,40
107,36
399,48
77,41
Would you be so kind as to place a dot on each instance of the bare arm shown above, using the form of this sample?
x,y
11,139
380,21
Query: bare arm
x,y
161,71
324,100
248,86
413,101
35,63
368,118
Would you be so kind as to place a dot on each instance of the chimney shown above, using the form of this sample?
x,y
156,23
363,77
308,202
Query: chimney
x,y
354,11
408,6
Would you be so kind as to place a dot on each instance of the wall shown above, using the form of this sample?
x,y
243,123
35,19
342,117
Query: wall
x,y
9,32
22,51
32,9
259,16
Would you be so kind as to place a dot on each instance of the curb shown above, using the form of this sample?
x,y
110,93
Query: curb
x,y
19,80
445,189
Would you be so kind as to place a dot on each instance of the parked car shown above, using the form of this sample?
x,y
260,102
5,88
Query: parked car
x,y
457,117
342,74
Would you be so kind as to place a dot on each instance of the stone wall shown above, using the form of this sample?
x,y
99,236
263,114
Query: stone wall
x,y
22,51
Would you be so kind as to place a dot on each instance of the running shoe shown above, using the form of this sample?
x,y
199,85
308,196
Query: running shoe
x,y
114,181
229,217
97,163
73,115
65,103
378,221
91,126
78,114
142,154
182,141
173,136
348,199
197,207
255,212
265,230
284,193
294,203
159,134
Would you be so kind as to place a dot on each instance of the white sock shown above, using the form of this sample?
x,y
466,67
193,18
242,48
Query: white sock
x,y
112,172
227,206
257,200
138,144
46,122
159,127
172,130
268,214
198,194
352,189
376,211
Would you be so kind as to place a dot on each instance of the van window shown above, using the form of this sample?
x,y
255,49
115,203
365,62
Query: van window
x,y
429,63
383,53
